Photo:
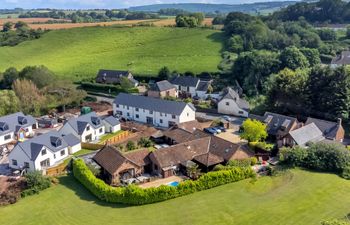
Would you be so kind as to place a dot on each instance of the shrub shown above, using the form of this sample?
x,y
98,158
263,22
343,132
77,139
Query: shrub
x,y
242,162
261,145
36,182
130,146
135,195
330,157
145,142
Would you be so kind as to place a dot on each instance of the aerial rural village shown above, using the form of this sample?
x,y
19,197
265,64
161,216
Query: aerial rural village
x,y
184,113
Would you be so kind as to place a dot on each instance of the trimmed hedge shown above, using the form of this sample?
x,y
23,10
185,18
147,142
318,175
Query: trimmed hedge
x,y
134,195
106,87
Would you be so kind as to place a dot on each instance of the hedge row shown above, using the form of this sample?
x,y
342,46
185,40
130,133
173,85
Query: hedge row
x,y
105,88
134,195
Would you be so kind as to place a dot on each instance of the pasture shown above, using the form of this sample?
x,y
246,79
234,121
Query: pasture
x,y
80,52
299,197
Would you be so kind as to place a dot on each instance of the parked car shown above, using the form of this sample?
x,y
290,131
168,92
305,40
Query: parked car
x,y
223,129
227,118
216,129
210,130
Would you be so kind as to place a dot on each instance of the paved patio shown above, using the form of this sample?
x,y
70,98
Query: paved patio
x,y
231,135
162,181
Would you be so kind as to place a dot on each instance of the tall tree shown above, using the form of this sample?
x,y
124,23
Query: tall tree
x,y
9,103
31,100
293,58
164,73
253,130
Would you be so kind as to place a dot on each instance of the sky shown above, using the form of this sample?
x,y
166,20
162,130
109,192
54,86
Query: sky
x,y
88,4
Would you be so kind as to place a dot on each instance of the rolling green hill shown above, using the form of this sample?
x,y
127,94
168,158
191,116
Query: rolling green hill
x,y
297,198
81,52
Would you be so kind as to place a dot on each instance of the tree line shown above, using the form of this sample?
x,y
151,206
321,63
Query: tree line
x,y
35,90
280,65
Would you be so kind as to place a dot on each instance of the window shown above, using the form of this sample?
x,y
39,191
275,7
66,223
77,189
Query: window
x,y
150,112
117,105
14,162
144,110
161,114
188,114
54,156
63,152
137,109
168,93
88,128
173,116
43,152
26,165
137,116
155,167
101,130
128,114
161,121
127,107
240,112
7,137
227,103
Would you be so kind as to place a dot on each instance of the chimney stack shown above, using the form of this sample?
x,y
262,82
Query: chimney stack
x,y
339,121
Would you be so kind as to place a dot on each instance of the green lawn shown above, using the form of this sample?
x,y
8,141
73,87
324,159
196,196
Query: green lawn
x,y
301,198
109,135
81,52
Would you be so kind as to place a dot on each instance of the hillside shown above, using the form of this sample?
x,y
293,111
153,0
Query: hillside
x,y
212,8
301,197
80,52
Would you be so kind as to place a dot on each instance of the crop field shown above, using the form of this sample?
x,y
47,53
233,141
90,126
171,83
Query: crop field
x,y
80,52
28,20
296,198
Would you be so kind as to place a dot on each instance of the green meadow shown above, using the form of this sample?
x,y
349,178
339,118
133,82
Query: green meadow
x,y
80,52
297,198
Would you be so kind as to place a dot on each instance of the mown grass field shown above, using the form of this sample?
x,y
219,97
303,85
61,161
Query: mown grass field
x,y
79,53
301,198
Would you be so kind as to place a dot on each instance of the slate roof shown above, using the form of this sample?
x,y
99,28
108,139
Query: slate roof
x,y
277,124
111,159
79,124
163,85
113,76
306,134
187,81
328,128
71,139
11,123
32,147
342,59
203,85
111,120
153,104
229,93
190,126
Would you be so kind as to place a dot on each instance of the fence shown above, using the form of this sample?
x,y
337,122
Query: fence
x,y
57,170
117,138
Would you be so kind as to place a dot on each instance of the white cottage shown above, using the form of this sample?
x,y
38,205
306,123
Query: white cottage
x,y
192,86
154,111
44,151
231,104
15,127
87,128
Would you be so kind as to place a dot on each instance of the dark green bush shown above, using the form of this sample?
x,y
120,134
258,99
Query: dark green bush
x,y
330,157
36,182
135,195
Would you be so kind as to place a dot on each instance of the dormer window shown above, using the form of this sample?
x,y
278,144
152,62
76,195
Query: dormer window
x,y
22,120
96,120
4,126
87,127
56,141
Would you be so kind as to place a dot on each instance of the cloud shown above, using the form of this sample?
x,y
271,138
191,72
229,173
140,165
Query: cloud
x,y
80,4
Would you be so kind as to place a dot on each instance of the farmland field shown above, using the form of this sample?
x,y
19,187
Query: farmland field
x,y
298,198
28,20
80,52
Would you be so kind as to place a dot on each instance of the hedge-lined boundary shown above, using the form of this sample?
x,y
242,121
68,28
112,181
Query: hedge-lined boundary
x,y
134,195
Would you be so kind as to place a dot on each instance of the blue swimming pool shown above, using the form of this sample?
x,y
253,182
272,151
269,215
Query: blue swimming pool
x,y
174,183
